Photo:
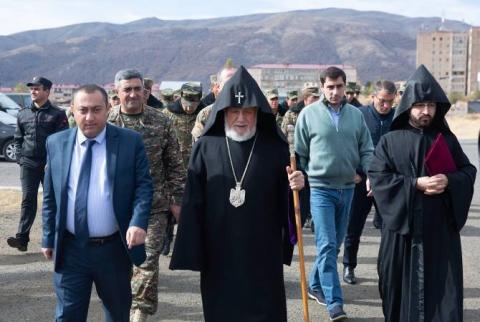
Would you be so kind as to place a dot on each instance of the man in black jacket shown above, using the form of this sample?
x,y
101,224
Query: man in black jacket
x,y
34,125
378,117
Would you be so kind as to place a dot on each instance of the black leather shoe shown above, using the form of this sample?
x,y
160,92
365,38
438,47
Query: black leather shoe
x,y
17,243
349,275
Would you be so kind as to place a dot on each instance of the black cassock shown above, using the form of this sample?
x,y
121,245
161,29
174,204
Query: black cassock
x,y
240,252
420,257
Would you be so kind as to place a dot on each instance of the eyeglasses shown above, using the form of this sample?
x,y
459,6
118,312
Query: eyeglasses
x,y
384,101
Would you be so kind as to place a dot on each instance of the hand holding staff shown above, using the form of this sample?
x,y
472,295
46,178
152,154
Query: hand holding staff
x,y
298,220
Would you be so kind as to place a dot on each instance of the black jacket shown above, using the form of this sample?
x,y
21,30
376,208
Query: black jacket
x,y
154,102
283,108
34,125
209,99
377,124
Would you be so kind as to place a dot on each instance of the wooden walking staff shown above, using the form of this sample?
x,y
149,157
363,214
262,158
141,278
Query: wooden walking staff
x,y
298,221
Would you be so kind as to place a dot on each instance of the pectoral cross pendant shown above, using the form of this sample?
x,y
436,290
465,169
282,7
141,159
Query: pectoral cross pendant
x,y
237,196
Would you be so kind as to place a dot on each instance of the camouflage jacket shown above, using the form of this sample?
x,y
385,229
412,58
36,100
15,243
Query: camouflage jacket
x,y
278,120
161,145
290,117
200,122
183,125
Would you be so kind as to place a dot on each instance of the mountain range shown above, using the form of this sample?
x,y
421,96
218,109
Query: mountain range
x,y
380,45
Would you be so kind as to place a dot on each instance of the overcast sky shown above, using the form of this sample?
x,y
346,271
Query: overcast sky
x,y
22,15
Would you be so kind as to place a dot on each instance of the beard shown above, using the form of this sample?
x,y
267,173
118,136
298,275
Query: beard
x,y
235,136
421,122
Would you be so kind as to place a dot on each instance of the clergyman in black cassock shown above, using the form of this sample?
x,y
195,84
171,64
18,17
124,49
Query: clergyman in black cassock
x,y
240,251
420,259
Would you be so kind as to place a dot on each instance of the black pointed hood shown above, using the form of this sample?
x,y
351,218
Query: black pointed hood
x,y
422,87
241,91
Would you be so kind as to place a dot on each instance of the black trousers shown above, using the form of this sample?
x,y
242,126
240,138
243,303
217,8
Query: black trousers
x,y
107,266
30,178
361,206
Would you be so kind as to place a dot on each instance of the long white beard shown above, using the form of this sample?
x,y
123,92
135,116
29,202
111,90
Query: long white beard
x,y
232,134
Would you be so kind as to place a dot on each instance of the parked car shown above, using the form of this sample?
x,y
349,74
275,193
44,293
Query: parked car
x,y
7,130
22,99
7,105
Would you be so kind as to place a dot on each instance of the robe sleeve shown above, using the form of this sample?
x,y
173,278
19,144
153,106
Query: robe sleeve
x,y
460,185
189,249
392,190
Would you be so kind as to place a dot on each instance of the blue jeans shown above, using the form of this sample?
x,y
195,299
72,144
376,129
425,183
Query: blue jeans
x,y
330,209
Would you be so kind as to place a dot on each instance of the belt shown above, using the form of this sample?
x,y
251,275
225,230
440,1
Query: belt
x,y
96,241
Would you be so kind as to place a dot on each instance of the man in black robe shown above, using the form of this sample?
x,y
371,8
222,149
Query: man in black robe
x,y
420,258
235,226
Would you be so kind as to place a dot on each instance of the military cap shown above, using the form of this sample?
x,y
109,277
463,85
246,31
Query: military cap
x,y
358,88
177,92
311,91
38,80
113,95
292,95
166,93
191,91
351,87
271,93
148,83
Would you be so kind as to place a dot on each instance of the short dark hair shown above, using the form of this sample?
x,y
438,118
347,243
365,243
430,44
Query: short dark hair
x,y
387,86
332,72
91,88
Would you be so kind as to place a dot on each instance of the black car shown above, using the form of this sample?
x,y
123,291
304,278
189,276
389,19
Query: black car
x,y
7,130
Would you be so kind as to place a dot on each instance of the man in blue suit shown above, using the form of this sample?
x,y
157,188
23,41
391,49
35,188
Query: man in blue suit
x,y
97,199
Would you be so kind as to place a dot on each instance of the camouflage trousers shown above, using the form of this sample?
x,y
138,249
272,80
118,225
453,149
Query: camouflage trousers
x,y
145,278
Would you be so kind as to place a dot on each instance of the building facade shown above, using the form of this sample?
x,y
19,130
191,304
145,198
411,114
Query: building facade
x,y
445,53
452,57
473,78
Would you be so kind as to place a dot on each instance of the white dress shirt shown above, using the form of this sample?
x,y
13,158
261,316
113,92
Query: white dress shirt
x,y
100,215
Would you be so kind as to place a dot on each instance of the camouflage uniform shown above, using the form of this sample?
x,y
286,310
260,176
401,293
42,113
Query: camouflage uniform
x,y
168,175
182,122
289,118
273,94
279,119
200,122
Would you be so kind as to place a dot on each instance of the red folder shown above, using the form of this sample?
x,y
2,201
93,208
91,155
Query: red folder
x,y
439,158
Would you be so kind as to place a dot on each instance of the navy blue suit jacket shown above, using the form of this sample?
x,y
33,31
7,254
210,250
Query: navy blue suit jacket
x,y
130,185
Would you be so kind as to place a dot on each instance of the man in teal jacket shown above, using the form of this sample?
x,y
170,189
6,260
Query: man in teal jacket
x,y
332,141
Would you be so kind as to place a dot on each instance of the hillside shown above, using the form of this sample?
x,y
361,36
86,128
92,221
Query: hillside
x,y
380,45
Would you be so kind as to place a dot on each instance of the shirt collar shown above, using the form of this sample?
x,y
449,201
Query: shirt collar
x,y
81,138
332,109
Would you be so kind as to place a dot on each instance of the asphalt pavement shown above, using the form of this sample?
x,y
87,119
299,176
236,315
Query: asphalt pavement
x,y
26,291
